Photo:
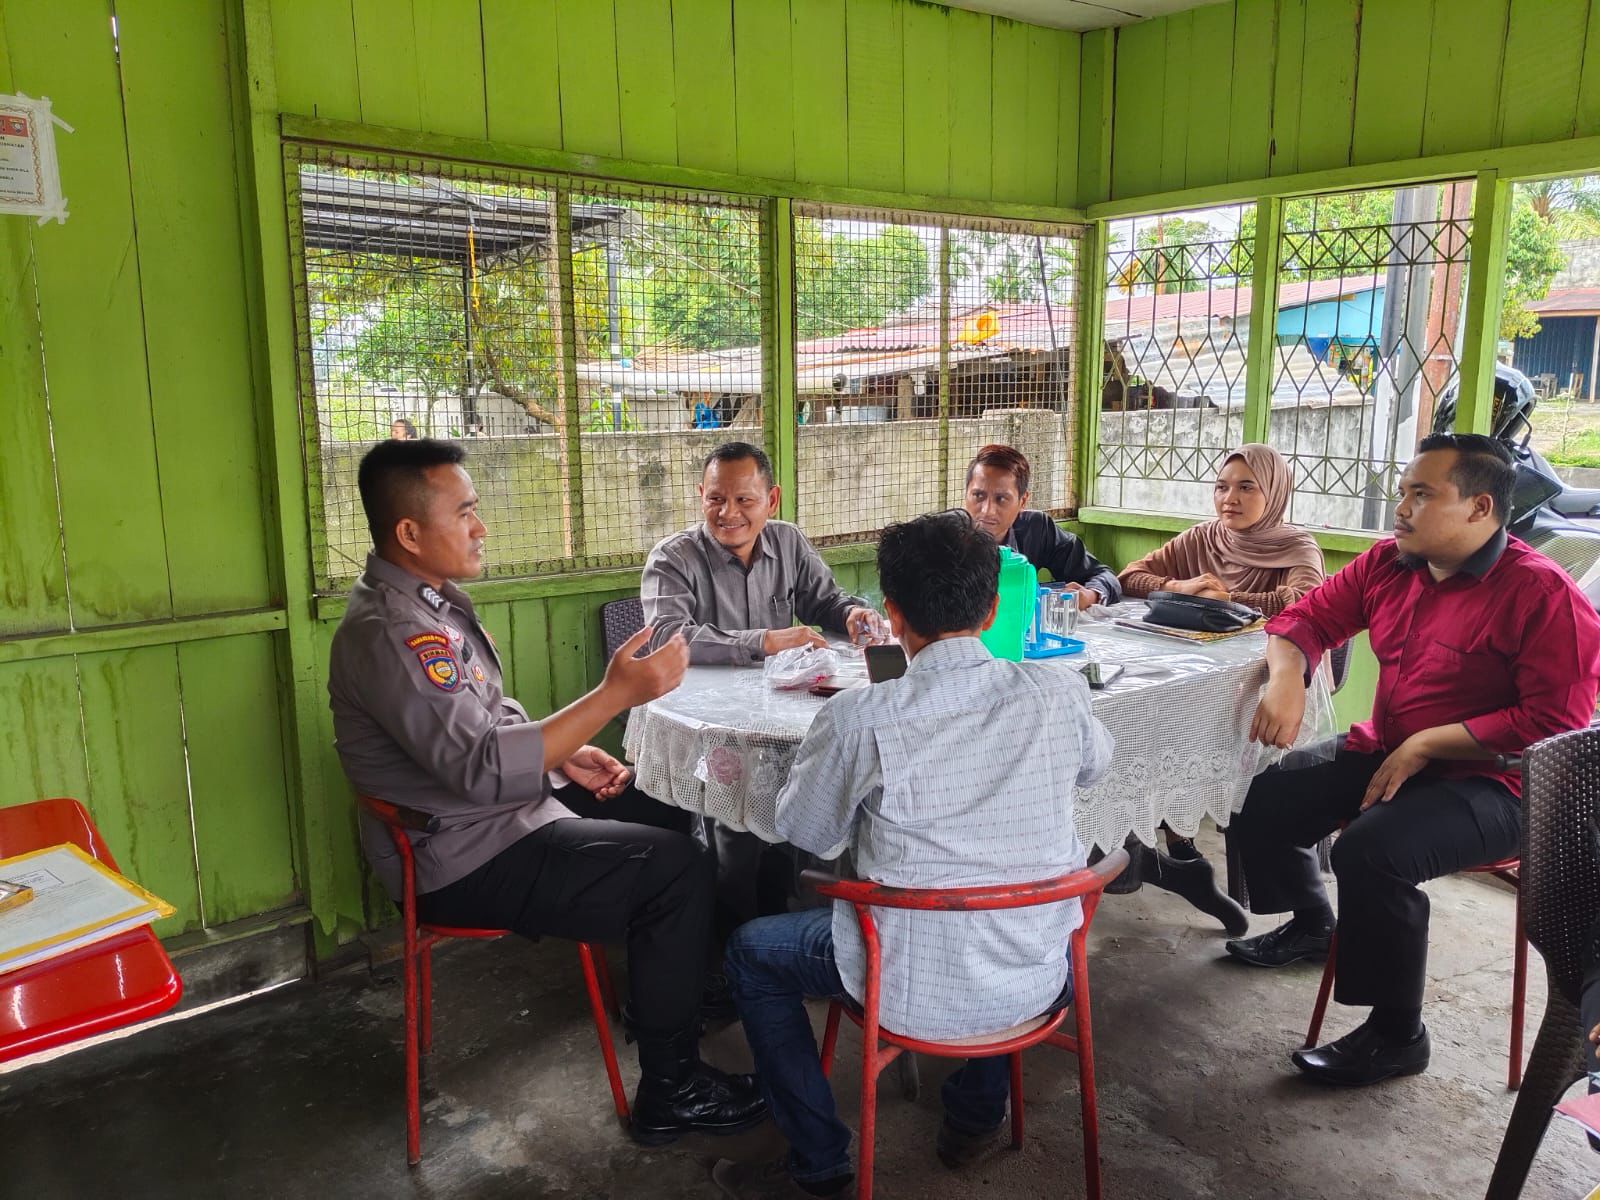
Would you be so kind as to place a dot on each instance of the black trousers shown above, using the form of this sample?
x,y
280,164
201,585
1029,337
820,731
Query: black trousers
x,y
1432,827
602,881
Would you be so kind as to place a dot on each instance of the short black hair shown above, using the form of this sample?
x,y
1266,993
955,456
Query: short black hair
x,y
1003,458
393,481
941,571
1483,467
730,452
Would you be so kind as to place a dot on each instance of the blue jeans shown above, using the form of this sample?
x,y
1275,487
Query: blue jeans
x,y
773,964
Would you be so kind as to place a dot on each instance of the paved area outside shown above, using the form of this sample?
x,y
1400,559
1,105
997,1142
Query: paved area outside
x,y
297,1093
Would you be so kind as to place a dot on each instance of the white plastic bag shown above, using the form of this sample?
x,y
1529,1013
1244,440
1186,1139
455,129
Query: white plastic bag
x,y
799,668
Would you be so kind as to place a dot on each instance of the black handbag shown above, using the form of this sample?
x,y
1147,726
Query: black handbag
x,y
1200,613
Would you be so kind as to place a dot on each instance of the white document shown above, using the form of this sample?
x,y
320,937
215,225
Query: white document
x,y
76,901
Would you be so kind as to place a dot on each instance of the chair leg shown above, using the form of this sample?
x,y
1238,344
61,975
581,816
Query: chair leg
x,y
1519,996
1086,1087
413,1102
1556,1062
1016,1100
1324,990
587,954
607,990
425,955
870,1066
830,1038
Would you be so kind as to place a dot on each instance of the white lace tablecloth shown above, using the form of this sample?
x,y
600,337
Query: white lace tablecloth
x,y
722,743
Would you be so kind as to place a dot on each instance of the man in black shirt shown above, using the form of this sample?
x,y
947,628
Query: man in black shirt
x,y
997,500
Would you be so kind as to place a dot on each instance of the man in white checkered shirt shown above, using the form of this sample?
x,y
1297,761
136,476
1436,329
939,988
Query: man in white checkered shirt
x,y
959,773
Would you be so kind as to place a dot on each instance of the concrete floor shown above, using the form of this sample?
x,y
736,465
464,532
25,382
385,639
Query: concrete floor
x,y
297,1093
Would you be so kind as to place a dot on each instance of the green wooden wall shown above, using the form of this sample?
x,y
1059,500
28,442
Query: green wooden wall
x,y
1264,88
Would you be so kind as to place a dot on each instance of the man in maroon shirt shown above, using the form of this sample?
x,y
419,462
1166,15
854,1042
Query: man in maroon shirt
x,y
1484,647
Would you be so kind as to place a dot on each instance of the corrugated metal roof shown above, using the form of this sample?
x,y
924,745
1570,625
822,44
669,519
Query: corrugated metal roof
x,y
1568,302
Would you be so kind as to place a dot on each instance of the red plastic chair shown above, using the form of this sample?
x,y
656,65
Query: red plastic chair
x,y
420,939
880,1046
1508,870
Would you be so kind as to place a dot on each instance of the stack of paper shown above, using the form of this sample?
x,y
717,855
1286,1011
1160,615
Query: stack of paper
x,y
76,901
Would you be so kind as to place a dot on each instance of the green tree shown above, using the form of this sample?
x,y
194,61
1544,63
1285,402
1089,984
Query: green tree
x,y
1571,206
1533,258
844,281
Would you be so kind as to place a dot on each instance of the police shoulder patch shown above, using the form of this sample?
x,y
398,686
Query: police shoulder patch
x,y
437,659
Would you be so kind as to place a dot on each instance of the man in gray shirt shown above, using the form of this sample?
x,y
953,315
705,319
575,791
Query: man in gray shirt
x,y
734,584
420,720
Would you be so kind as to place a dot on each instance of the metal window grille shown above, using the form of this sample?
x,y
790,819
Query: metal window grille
x,y
589,342
919,339
1370,320
1174,346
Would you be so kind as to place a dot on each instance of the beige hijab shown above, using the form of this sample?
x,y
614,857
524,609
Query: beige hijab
x,y
1269,544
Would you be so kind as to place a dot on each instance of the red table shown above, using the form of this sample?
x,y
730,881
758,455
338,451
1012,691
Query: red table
x,y
116,982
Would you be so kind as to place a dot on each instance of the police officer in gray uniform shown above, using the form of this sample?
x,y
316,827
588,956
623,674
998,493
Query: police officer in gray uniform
x,y
420,720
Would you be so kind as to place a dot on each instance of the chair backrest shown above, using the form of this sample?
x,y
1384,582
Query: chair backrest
x,y
1339,663
1560,878
41,823
619,621
397,819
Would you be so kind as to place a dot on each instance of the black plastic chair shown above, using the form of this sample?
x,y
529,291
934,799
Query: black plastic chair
x,y
1561,908
619,621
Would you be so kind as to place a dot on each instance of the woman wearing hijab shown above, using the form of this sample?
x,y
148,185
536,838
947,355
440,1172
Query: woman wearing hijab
x,y
1248,554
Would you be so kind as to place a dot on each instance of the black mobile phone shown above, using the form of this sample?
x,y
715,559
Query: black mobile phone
x,y
1100,674
885,662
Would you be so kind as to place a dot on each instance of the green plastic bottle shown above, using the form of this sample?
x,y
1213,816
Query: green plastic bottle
x,y
1019,585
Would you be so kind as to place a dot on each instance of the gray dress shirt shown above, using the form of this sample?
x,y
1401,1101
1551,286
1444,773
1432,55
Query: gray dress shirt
x,y
959,773
419,719
691,583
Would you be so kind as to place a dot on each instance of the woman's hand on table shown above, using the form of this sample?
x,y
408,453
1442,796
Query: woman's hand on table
x,y
633,681
790,638
1206,585
1279,712
1087,597
598,772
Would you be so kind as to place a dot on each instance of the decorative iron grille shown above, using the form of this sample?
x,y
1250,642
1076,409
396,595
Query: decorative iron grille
x,y
919,339
1370,320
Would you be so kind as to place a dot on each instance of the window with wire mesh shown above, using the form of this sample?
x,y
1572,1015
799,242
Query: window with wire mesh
x,y
587,344
1370,320
1176,335
920,339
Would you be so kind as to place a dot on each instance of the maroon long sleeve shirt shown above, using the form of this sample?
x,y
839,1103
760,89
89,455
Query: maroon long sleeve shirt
x,y
1507,646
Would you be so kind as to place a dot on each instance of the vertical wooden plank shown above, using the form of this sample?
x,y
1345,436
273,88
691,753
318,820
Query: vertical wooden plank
x,y
586,35
971,104
450,67
1095,95
874,70
1009,110
1289,69
331,830
236,776
702,56
1464,66
191,275
1069,66
571,640
88,280
386,63
1175,116
1042,128
927,81
763,88
1328,83
33,575
530,655
1255,32
821,116
1543,70
1140,104
138,792
315,49
1391,85
522,72
41,739
1210,85
646,90
1587,122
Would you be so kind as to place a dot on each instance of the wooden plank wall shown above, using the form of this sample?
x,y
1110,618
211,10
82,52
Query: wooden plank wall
x,y
131,479
1260,88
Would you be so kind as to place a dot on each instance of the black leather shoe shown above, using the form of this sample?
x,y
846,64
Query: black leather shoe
x,y
1284,945
679,1094
1194,880
1362,1057
957,1148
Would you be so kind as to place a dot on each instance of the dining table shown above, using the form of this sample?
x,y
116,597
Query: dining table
x,y
722,743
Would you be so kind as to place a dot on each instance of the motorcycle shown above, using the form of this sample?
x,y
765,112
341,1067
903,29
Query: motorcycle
x,y
1557,520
